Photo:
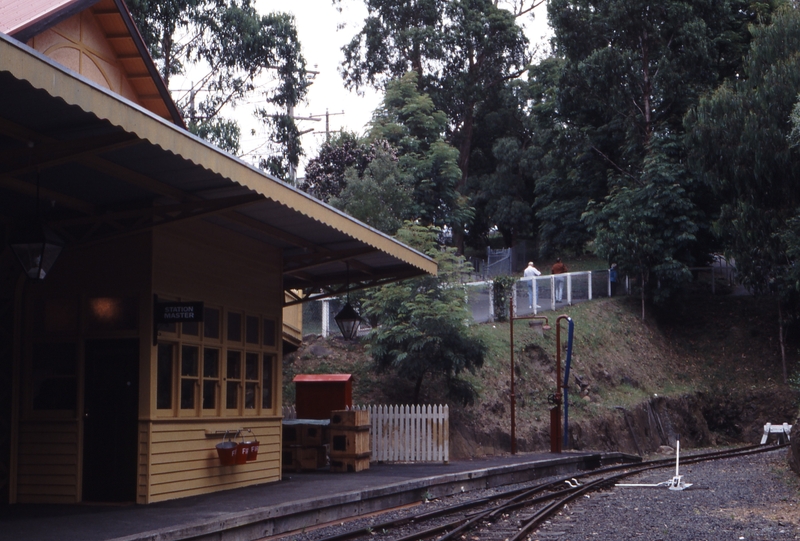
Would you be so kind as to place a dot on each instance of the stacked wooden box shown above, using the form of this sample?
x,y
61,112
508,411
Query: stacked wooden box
x,y
304,445
349,441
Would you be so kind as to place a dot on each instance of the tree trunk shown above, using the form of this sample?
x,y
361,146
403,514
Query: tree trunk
x,y
464,150
166,48
647,90
782,341
641,288
418,387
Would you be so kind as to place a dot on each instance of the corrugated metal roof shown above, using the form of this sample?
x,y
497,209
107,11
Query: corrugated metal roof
x,y
108,163
16,15
24,19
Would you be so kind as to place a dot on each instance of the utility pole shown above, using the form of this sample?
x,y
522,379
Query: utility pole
x,y
328,116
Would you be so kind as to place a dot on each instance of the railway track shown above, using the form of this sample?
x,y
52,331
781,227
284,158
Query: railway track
x,y
512,514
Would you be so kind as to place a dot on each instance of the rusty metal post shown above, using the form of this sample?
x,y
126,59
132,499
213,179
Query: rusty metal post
x,y
511,320
513,396
555,428
555,412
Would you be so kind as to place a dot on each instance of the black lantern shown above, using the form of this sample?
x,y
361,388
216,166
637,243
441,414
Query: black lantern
x,y
37,249
35,246
348,321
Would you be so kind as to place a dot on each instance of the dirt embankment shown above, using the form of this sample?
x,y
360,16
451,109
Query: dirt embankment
x,y
707,371
698,420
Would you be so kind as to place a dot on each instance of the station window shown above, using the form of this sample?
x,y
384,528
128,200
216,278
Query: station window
x,y
209,369
210,378
233,379
190,373
164,376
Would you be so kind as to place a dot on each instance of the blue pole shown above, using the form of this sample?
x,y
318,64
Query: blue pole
x,y
566,380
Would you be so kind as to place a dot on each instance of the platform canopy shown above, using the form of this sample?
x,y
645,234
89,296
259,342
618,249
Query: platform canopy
x,y
105,167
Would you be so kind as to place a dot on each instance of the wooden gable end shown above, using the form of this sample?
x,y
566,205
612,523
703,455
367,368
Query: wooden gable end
x,y
97,44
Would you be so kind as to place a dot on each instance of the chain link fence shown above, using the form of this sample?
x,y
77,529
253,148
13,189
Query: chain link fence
x,y
540,294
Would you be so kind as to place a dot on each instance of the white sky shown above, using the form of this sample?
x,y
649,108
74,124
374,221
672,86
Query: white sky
x,y
318,23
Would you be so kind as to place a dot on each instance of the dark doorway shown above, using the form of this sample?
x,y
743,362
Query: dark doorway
x,y
110,418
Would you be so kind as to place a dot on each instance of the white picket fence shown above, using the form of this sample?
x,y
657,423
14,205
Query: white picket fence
x,y
409,433
404,433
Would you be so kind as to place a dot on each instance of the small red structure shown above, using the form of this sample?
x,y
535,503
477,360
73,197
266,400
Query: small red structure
x,y
317,395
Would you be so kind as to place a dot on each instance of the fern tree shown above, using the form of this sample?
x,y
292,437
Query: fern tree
x,y
423,329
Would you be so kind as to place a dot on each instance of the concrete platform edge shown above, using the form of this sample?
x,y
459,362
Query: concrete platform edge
x,y
277,519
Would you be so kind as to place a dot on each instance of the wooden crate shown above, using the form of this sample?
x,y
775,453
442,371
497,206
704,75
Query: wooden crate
x,y
313,435
344,418
349,442
304,458
349,464
308,457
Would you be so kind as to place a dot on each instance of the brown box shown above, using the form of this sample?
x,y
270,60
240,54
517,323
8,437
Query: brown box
x,y
308,458
340,418
350,442
345,464
313,435
299,458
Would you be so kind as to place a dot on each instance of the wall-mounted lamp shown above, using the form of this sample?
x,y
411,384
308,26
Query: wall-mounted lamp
x,y
35,246
37,249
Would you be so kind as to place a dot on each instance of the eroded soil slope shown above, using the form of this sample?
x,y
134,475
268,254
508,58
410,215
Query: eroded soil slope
x,y
707,370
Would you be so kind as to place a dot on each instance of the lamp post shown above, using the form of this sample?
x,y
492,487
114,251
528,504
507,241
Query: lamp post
x,y
511,319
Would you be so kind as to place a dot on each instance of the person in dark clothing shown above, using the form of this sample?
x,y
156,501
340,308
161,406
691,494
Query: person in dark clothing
x,y
559,268
612,278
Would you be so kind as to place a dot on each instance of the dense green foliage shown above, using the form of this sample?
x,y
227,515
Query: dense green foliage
x,y
229,45
423,329
325,173
461,50
409,121
747,151
654,135
632,69
380,196
740,141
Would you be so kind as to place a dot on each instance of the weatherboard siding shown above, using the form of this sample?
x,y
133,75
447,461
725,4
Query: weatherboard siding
x,y
47,467
183,458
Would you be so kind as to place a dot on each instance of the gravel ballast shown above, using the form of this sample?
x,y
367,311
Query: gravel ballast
x,y
749,498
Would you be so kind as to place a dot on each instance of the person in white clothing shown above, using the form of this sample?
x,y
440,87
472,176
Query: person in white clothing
x,y
530,273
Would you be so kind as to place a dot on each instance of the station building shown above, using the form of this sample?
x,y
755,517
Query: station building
x,y
115,211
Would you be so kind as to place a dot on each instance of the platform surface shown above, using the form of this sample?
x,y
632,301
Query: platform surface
x,y
94,522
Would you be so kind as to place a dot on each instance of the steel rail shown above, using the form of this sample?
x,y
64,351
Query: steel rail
x,y
523,497
595,485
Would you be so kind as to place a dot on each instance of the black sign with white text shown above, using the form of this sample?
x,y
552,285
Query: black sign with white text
x,y
178,312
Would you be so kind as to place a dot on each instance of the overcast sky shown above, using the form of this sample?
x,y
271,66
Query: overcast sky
x,y
323,31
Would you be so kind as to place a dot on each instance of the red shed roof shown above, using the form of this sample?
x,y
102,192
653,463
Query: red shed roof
x,y
322,377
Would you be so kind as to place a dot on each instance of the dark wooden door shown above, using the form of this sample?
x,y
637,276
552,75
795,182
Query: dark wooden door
x,y
110,416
